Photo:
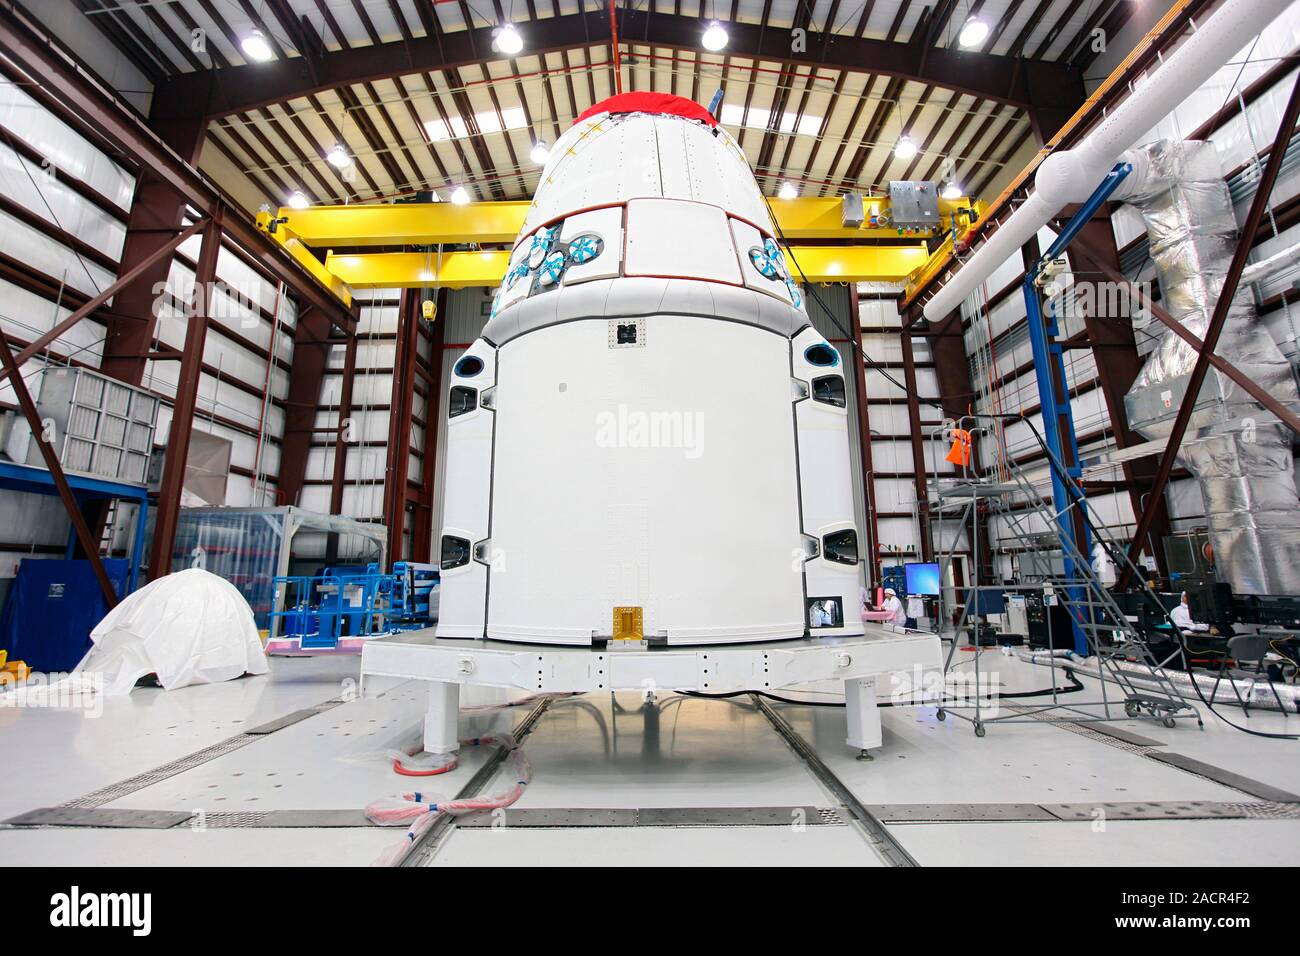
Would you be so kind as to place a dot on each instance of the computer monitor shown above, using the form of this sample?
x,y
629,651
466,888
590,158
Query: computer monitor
x,y
922,578
985,600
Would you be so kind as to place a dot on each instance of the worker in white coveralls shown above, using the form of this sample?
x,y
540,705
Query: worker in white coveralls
x,y
1182,617
897,614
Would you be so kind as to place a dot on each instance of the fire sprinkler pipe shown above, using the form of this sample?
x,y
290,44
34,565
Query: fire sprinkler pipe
x,y
1069,176
613,43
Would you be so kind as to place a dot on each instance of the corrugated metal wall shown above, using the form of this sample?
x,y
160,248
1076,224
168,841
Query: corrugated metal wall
x,y
63,213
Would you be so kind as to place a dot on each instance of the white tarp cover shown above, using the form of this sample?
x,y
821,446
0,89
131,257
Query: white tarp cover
x,y
190,627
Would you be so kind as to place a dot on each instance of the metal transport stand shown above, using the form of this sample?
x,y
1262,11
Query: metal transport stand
x,y
882,661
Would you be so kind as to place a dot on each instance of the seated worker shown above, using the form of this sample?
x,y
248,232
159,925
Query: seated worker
x,y
1182,617
895,607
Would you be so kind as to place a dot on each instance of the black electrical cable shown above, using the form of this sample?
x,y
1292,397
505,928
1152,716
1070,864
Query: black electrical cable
x,y
1076,685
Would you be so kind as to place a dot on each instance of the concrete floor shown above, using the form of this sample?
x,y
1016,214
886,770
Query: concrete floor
x,y
605,752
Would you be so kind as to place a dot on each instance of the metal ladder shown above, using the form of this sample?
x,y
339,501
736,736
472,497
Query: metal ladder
x,y
1110,635
1147,690
110,524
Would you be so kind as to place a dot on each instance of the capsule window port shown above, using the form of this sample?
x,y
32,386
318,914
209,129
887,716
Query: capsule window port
x,y
625,334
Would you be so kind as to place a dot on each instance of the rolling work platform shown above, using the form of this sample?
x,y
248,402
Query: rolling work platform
x,y
1134,684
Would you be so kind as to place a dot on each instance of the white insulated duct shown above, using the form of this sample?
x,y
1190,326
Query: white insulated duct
x,y
1070,176
1265,269
1239,453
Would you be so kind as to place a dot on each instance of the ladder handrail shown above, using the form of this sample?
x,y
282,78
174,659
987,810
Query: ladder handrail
x,y
1101,611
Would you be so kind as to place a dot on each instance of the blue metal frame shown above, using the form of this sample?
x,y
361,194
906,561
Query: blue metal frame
x,y
315,609
39,481
1048,358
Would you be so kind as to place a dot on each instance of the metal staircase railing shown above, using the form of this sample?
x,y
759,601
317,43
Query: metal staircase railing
x,y
1107,632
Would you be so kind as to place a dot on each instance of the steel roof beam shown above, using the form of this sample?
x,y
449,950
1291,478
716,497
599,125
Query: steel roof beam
x,y
34,52
1018,82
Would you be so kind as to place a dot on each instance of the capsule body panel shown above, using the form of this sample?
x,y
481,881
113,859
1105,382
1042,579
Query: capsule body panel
x,y
649,430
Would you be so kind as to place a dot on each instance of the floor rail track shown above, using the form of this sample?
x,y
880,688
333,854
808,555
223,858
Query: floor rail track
x,y
881,840
426,848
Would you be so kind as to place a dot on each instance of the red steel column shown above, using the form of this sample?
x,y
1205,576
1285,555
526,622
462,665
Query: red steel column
x,y
864,445
399,422
957,396
918,445
311,347
157,211
187,391
423,538
337,481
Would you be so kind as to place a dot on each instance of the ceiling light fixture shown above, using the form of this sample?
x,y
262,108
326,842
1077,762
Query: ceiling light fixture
x,y
715,37
338,157
540,154
256,47
460,196
298,201
951,190
787,191
973,33
904,148
508,40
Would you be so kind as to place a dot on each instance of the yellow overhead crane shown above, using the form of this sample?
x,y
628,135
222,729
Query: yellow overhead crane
x,y
498,223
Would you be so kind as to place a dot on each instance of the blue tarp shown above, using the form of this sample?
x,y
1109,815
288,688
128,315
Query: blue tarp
x,y
52,607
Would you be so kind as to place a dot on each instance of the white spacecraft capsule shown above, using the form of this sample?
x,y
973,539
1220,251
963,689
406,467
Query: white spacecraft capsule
x,y
649,440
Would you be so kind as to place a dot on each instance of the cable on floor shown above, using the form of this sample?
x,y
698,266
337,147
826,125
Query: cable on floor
x,y
423,810
1074,687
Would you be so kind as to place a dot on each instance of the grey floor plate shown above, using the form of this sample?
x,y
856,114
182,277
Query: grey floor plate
x,y
1189,810
117,818
288,720
658,817
957,812
629,818
1226,777
100,817
289,819
1128,736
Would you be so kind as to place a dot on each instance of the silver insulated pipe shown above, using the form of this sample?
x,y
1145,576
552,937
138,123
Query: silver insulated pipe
x,y
1239,453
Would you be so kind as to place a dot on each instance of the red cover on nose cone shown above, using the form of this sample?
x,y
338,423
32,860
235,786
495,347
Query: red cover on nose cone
x,y
650,103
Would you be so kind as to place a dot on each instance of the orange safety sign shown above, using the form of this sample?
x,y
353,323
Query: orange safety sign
x,y
959,454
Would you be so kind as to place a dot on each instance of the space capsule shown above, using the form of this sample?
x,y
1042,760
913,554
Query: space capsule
x,y
649,439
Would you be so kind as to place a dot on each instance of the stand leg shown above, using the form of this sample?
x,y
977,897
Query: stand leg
x,y
863,715
440,720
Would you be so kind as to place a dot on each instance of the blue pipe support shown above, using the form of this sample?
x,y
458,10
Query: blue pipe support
x,y
1058,417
